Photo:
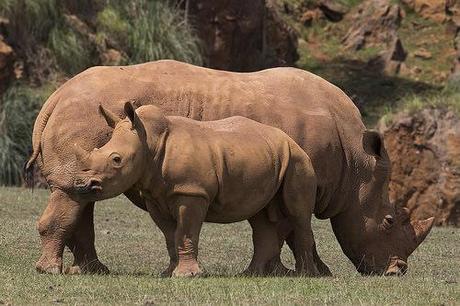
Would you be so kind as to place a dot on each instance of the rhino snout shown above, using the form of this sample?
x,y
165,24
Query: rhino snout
x,y
89,185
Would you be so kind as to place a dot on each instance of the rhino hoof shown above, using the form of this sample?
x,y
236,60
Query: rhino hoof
x,y
191,270
95,267
48,268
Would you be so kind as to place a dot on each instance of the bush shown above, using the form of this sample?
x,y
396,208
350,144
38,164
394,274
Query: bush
x,y
72,53
20,105
160,31
112,24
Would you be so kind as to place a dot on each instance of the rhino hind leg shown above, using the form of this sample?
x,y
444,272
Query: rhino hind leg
x,y
76,230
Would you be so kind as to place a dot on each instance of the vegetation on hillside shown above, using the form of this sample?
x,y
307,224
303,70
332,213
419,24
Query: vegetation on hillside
x,y
58,39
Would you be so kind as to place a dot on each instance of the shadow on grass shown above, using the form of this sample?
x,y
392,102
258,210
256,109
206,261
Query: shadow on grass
x,y
373,92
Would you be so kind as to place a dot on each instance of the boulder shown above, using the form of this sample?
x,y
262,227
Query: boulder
x,y
333,10
424,148
374,22
391,60
429,9
242,35
423,53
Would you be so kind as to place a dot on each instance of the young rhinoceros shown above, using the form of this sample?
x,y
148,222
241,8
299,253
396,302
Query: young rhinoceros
x,y
189,172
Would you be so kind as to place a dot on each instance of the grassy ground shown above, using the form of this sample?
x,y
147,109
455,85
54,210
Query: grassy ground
x,y
129,243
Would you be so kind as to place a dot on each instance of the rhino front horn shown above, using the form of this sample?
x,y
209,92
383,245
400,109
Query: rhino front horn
x,y
109,117
422,228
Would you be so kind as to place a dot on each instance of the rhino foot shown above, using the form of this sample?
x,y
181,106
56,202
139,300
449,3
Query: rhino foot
x,y
169,271
273,267
188,270
323,269
93,267
47,267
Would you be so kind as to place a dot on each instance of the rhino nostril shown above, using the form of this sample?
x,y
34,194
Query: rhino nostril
x,y
94,184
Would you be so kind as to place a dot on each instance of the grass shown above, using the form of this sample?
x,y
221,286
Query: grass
x,y
133,248
160,31
72,52
447,98
18,108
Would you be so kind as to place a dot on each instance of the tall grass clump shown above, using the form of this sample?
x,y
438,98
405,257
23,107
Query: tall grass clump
x,y
72,53
111,22
18,108
30,21
160,31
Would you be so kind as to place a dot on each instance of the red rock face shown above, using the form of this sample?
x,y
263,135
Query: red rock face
x,y
241,35
425,152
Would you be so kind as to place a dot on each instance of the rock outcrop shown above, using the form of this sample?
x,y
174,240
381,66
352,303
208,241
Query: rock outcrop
x,y
374,22
429,9
425,152
242,35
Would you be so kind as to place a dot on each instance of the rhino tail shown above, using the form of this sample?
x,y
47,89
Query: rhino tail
x,y
39,126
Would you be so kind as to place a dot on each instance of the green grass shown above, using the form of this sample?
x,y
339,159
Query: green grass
x,y
447,98
18,108
73,54
133,248
160,31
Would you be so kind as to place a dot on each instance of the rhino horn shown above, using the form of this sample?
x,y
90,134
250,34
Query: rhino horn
x,y
80,153
109,117
422,228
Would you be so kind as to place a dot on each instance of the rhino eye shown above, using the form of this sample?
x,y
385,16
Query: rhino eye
x,y
116,160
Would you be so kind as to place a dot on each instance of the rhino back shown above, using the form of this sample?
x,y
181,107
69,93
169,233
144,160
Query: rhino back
x,y
315,113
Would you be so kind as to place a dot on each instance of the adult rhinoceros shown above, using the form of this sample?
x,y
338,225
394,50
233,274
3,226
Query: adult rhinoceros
x,y
351,163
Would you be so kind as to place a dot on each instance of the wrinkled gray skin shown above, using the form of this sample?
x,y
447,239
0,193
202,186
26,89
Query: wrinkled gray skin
x,y
352,166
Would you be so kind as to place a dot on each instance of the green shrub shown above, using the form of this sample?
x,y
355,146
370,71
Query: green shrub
x,y
30,20
112,23
72,53
159,31
20,105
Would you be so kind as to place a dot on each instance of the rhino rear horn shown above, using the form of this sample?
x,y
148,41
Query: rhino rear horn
x,y
109,117
80,153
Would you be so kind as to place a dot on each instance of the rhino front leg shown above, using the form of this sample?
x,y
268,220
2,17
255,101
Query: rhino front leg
x,y
168,228
286,233
164,223
266,259
81,243
190,214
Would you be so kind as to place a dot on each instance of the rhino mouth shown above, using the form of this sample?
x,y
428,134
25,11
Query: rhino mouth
x,y
396,267
87,186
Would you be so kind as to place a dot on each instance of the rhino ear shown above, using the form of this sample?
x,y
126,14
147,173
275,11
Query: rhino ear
x,y
109,117
130,111
373,143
